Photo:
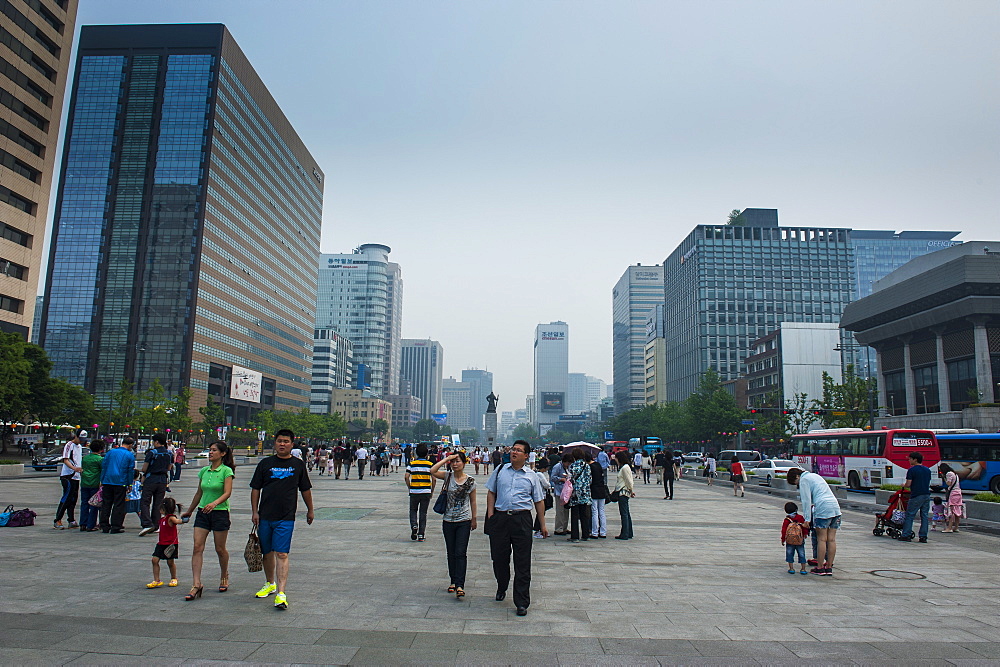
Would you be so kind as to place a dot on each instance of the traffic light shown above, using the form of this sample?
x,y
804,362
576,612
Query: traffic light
x,y
754,411
819,413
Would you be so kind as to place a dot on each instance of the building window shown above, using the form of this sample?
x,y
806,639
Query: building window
x,y
15,235
11,304
962,383
926,382
12,270
895,393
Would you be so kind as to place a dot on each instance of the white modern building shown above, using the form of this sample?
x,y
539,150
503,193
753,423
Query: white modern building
x,y
458,401
551,374
353,298
637,292
790,361
421,365
332,368
393,327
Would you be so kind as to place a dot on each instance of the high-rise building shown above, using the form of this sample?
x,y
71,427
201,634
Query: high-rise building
x,y
360,410
576,393
353,298
639,290
877,253
37,40
790,361
405,409
332,368
596,390
480,385
393,327
422,365
458,404
655,358
186,228
551,373
728,285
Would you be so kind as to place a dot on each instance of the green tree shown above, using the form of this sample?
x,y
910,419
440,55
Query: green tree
x,y
854,397
526,432
213,416
800,413
770,422
733,215
14,385
122,407
712,410
153,414
559,436
180,412
469,437
403,433
425,429
380,427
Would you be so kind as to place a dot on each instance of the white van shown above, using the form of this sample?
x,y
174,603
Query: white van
x,y
726,457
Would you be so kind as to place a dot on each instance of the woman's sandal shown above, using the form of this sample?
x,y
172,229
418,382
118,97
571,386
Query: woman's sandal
x,y
451,589
224,583
195,593
459,593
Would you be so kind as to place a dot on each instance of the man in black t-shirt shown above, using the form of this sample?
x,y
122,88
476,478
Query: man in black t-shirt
x,y
276,485
156,469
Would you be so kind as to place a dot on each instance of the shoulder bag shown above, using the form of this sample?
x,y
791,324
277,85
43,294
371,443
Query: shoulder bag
x,y
252,554
441,504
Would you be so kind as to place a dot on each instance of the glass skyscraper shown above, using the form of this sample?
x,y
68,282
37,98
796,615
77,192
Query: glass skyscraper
x,y
877,253
638,292
187,223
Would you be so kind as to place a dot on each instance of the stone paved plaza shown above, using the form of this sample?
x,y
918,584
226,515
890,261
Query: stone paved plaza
x,y
703,582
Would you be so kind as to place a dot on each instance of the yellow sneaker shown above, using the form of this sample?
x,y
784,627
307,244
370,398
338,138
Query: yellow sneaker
x,y
173,583
154,584
266,590
280,601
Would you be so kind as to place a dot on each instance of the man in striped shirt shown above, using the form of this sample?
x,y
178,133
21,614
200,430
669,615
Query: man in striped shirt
x,y
421,485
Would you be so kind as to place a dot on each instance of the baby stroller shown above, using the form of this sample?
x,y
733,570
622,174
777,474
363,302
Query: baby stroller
x,y
890,522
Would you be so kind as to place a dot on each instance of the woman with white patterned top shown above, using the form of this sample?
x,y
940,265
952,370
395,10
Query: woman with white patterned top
x,y
459,518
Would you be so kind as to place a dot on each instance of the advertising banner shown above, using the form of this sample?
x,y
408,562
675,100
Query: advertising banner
x,y
440,419
552,401
246,385
828,466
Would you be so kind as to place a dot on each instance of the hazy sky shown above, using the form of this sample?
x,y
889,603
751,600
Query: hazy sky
x,y
518,156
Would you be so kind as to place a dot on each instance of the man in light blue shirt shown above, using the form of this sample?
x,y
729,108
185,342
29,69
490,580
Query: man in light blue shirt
x,y
603,460
512,491
117,473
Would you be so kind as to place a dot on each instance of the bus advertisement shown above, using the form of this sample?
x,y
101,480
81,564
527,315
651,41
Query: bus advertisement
x,y
647,443
975,458
863,459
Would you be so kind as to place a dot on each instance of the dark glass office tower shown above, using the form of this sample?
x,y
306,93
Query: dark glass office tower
x,y
187,223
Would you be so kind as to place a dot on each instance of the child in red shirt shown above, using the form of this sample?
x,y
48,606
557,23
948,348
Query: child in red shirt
x,y
166,545
794,540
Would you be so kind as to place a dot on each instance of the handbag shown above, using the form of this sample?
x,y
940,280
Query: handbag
x,y
252,554
615,496
19,518
567,491
549,500
898,516
97,499
441,504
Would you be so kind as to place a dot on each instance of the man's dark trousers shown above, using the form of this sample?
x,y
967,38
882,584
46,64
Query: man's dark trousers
x,y
112,507
511,533
419,502
152,496
668,484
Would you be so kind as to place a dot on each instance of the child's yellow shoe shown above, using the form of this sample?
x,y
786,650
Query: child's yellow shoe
x,y
154,584
173,583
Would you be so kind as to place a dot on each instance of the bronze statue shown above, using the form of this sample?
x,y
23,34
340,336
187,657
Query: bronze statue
x,y
492,400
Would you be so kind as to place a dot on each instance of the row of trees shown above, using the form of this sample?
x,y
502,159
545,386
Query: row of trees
x,y
428,429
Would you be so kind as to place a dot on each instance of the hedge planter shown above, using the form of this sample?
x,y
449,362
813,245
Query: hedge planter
x,y
977,509
17,469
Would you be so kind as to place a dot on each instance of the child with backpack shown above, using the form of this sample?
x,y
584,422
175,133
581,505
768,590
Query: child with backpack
x,y
793,536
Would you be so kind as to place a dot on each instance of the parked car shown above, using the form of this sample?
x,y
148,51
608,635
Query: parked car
x,y
49,462
767,470
694,457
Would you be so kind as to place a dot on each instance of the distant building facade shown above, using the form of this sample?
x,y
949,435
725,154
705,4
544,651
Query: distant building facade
x,y
551,373
422,365
637,292
480,386
457,398
355,405
332,367
655,363
405,409
790,361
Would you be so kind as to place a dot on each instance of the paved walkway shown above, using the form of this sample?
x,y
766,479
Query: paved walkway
x,y
702,583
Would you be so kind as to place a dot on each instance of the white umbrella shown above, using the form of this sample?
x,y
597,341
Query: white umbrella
x,y
580,443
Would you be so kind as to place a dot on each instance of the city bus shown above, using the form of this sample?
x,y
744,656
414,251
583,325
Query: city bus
x,y
863,459
646,443
974,456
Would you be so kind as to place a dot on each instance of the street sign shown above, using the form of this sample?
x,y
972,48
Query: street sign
x,y
608,435
748,422
839,413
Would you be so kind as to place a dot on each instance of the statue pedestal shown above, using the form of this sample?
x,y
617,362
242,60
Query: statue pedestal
x,y
491,429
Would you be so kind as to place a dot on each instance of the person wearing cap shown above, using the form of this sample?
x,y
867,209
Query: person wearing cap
x,y
69,478
512,492
116,476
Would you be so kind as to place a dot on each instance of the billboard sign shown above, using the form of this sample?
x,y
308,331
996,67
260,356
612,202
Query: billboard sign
x,y
572,418
440,419
553,335
552,401
246,385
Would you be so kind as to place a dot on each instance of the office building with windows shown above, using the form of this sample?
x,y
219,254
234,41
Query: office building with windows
x,y
186,227
36,37
422,367
655,358
457,396
405,409
480,385
353,298
332,368
393,327
637,292
935,325
551,374
790,361
728,285
361,410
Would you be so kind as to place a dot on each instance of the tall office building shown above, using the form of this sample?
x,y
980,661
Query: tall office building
x,y
639,290
393,327
576,393
187,225
458,404
728,285
353,298
421,365
596,390
481,385
37,36
551,374
332,368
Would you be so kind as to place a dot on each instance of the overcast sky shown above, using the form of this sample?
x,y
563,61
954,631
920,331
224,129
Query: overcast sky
x,y
518,156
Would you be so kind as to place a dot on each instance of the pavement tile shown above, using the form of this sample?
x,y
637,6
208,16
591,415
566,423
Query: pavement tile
x,y
283,654
834,650
124,644
571,659
281,635
749,649
986,649
476,613
679,632
828,634
207,649
745,633
506,658
372,638
927,650
122,659
668,647
401,656
921,634
667,660
440,641
420,625
23,638
35,656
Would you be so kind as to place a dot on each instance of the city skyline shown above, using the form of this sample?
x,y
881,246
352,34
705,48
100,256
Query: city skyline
x,y
405,147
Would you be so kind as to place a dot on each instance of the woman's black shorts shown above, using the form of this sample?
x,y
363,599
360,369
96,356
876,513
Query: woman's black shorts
x,y
216,520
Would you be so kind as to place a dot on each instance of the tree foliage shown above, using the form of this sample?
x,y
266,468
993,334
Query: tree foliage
x,y
855,396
